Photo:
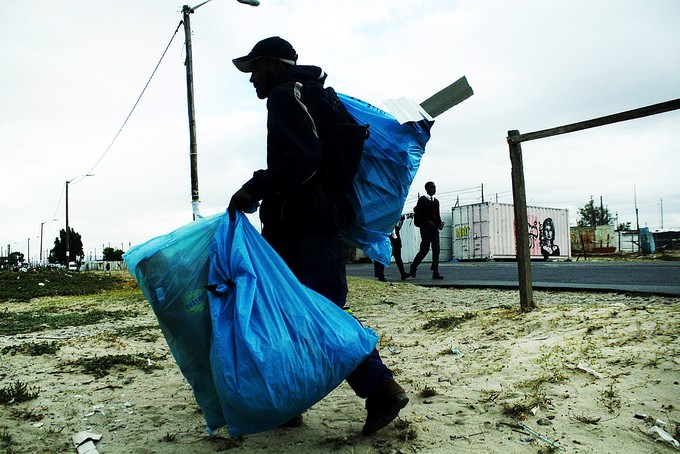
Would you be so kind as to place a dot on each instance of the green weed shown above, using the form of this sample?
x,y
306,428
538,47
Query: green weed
x,y
32,348
18,392
449,322
611,398
100,366
39,320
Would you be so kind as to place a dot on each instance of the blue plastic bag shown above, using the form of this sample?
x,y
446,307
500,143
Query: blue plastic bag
x,y
278,347
391,159
172,271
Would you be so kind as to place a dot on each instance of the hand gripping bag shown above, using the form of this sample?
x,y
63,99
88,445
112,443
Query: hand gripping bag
x,y
391,158
172,271
278,347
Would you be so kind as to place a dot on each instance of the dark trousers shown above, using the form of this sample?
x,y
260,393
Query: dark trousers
x,y
319,263
379,268
429,237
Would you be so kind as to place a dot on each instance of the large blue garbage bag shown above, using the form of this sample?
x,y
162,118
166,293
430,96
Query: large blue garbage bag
x,y
172,271
391,159
278,347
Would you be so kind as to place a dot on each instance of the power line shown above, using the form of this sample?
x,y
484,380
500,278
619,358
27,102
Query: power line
x,y
61,196
138,99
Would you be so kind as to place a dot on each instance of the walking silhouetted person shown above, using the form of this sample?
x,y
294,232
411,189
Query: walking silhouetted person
x,y
295,220
428,219
395,241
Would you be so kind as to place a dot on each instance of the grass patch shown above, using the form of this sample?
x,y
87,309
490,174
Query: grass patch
x,y
611,398
146,333
428,392
552,376
36,284
449,321
6,441
101,366
18,392
26,414
32,348
40,320
407,431
524,409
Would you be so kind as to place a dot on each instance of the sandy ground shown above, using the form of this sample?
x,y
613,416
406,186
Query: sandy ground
x,y
482,377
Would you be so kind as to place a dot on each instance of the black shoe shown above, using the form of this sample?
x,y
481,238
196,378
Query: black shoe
x,y
295,421
382,278
404,276
384,405
412,273
437,276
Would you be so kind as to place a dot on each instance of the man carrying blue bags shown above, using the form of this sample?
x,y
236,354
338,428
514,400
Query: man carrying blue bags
x,y
294,211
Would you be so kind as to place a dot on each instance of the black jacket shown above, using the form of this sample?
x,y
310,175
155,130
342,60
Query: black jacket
x,y
427,212
291,203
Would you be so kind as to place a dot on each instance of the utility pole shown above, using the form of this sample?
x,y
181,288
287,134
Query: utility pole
x,y
41,239
66,260
193,147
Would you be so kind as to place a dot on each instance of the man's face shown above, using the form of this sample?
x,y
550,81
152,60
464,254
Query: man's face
x,y
431,189
264,75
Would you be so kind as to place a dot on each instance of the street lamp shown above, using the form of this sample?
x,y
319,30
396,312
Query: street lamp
x,y
193,147
41,238
67,259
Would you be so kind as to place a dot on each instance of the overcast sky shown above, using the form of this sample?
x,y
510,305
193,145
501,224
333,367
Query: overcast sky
x,y
72,71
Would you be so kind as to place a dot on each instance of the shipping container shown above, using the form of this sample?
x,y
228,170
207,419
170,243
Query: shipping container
x,y
486,231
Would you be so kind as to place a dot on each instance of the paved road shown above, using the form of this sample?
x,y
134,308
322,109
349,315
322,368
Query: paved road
x,y
660,278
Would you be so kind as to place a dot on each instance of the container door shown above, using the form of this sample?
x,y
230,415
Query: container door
x,y
461,233
480,230
446,238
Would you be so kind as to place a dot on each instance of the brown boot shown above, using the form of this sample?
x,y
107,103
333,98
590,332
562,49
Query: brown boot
x,y
384,405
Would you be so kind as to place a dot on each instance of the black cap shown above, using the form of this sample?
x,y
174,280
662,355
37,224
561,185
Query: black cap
x,y
273,47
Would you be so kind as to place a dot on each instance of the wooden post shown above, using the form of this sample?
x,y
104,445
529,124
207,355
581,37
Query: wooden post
x,y
515,138
526,295
583,245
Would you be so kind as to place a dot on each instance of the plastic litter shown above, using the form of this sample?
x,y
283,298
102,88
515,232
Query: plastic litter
x,y
84,442
455,351
532,433
663,436
586,368
650,419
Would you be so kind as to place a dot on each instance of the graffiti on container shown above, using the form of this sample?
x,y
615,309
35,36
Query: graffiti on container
x,y
548,246
542,237
462,232
533,235
599,239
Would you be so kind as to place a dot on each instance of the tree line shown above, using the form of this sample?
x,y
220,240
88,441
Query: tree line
x,y
57,255
593,215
